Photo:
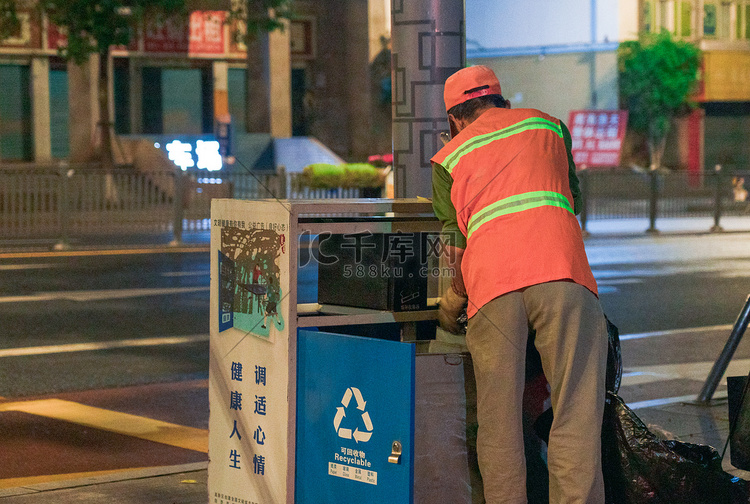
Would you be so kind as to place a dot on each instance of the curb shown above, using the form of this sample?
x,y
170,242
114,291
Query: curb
x,y
122,475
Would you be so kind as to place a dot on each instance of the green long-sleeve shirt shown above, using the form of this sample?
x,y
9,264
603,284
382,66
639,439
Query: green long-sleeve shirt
x,y
446,213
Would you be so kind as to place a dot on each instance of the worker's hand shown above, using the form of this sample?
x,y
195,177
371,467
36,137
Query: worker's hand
x,y
449,308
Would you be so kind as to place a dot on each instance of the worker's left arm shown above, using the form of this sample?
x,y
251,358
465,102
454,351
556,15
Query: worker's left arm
x,y
575,190
455,241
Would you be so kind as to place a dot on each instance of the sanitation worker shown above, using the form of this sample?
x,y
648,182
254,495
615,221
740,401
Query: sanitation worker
x,y
502,189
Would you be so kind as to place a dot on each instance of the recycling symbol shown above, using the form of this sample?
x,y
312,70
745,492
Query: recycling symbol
x,y
359,436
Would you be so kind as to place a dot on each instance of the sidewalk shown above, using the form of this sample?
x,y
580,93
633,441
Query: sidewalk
x,y
183,484
187,484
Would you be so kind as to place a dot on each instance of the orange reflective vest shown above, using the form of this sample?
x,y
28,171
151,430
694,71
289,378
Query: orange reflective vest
x,y
513,204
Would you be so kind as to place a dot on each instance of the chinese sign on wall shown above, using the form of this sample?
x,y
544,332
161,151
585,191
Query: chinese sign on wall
x,y
597,136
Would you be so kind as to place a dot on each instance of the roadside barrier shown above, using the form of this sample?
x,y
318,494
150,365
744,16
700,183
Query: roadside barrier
x,y
64,201
720,366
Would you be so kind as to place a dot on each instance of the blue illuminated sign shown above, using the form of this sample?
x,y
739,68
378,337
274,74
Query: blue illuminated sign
x,y
204,154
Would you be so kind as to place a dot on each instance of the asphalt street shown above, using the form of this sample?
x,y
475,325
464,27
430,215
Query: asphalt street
x,y
93,343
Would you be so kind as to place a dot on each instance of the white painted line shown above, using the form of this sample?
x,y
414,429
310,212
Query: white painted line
x,y
99,295
619,281
103,345
653,403
653,334
18,267
694,371
185,273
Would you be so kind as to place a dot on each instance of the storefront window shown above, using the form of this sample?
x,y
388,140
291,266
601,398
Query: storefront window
x,y
15,113
710,16
59,111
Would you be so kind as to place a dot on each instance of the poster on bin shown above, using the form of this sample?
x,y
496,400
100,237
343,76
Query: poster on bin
x,y
249,353
597,137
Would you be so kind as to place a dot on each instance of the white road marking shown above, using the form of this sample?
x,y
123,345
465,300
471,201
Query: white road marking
x,y
99,295
653,403
619,281
103,345
185,273
654,334
607,289
696,371
19,267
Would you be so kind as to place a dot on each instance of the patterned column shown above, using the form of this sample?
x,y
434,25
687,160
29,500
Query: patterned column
x,y
428,45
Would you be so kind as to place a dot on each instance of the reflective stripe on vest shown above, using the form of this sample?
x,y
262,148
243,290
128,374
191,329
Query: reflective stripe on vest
x,y
517,203
481,140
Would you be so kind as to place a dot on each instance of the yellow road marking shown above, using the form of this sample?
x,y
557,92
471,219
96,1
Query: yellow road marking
x,y
149,429
79,253
35,480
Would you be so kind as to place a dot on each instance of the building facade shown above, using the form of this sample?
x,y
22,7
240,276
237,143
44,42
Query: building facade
x,y
576,68
180,76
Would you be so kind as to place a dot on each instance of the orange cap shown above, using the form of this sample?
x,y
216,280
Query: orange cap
x,y
466,79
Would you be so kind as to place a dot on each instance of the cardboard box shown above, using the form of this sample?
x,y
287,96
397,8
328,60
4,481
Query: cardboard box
x,y
386,271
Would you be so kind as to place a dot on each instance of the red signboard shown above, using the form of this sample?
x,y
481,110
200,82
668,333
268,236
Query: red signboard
x,y
56,38
203,35
597,136
207,32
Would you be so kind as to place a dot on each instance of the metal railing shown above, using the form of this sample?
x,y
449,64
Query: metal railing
x,y
63,201
654,195
60,202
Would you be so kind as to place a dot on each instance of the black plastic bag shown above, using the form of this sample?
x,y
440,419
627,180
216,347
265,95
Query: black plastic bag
x,y
614,358
640,468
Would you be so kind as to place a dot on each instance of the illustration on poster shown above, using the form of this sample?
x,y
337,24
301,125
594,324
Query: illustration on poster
x,y
249,280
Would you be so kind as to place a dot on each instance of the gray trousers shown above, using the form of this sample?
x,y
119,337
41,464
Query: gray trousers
x,y
571,337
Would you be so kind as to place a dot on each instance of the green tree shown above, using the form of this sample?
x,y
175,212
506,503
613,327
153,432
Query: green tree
x,y
93,27
657,76
255,19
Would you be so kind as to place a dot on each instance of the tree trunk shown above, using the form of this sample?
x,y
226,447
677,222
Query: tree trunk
x,y
105,125
111,192
257,73
656,147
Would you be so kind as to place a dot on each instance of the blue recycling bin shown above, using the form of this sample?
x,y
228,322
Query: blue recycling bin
x,y
355,419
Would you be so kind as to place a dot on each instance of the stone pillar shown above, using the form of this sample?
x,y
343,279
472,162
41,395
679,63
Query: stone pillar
x,y
357,84
220,73
428,45
257,87
280,84
41,112
135,78
84,109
